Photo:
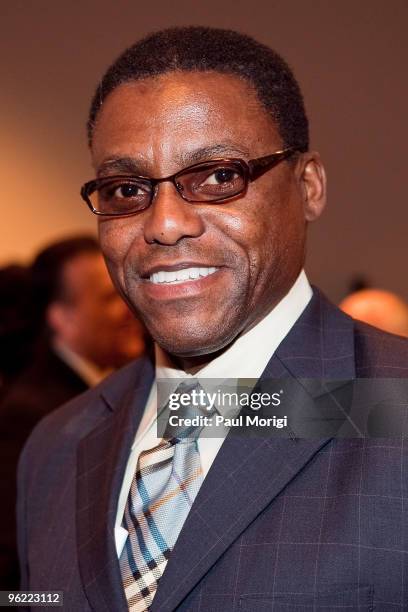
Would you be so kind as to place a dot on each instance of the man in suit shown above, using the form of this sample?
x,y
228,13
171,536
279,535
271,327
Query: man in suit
x,y
205,188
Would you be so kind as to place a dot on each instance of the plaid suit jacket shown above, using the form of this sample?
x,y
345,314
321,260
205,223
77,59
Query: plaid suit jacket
x,y
278,524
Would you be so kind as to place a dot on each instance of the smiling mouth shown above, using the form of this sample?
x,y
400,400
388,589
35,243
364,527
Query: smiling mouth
x,y
174,277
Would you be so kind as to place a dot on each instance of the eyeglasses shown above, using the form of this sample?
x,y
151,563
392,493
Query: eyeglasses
x,y
211,182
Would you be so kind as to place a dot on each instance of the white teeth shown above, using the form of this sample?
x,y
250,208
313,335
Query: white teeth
x,y
180,276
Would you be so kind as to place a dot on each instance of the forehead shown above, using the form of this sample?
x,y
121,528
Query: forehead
x,y
182,111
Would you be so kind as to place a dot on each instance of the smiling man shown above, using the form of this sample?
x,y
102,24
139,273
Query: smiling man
x,y
204,188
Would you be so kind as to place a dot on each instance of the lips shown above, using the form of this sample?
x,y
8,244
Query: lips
x,y
178,280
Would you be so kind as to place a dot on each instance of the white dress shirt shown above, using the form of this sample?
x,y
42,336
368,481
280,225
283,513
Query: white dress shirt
x,y
259,343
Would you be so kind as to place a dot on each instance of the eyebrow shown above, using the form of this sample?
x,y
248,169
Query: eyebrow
x,y
212,151
120,165
131,165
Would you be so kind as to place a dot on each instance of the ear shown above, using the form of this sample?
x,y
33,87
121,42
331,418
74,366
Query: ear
x,y
312,179
58,317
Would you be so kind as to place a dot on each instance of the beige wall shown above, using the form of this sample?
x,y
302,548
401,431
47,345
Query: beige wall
x,y
350,58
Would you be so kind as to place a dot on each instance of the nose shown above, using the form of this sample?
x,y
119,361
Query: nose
x,y
169,219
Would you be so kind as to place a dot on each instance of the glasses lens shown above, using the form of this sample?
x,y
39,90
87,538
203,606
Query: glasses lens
x,y
121,196
212,182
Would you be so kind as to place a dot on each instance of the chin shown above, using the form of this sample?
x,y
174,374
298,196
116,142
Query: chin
x,y
195,344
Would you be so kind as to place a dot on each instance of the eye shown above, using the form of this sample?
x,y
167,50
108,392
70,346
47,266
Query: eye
x,y
127,190
124,191
220,176
121,195
212,182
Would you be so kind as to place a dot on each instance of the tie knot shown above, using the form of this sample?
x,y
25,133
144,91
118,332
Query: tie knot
x,y
188,420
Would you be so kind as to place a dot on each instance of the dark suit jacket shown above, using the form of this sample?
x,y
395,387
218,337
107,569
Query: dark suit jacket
x,y
278,524
46,384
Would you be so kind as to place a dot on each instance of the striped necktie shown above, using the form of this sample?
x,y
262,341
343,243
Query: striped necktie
x,y
166,482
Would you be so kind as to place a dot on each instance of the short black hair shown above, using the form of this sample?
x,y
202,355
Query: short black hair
x,y
197,48
47,269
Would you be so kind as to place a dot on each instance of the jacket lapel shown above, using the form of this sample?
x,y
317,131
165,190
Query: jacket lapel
x,y
248,473
102,458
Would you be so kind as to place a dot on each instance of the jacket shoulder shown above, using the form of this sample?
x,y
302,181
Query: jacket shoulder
x,y
379,353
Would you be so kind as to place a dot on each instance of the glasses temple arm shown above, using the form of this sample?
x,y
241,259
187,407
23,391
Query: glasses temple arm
x,y
258,167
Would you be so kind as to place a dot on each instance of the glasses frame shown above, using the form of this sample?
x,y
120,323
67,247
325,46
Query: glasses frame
x,y
252,170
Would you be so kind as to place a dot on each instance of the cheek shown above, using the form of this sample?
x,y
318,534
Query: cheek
x,y
116,237
253,230
275,236
113,238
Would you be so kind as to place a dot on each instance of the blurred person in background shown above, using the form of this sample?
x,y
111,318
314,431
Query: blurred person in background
x,y
85,331
379,308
